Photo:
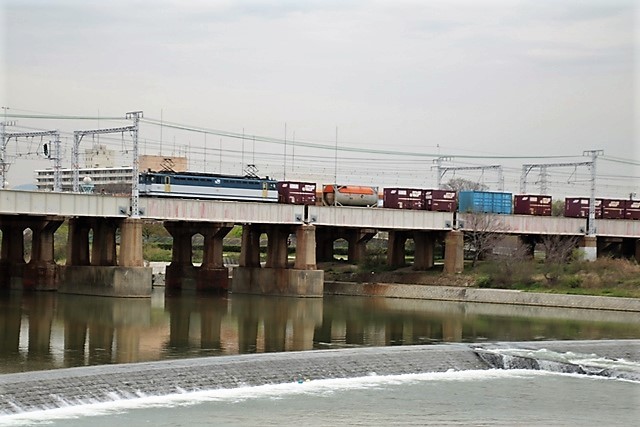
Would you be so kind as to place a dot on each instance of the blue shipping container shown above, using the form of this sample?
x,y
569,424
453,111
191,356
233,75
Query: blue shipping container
x,y
485,201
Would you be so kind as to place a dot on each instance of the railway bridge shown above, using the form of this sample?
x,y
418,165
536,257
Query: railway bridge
x,y
95,265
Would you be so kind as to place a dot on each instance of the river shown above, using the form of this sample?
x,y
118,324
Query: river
x,y
44,331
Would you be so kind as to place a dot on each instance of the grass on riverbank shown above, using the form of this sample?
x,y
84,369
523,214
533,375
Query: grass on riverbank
x,y
602,277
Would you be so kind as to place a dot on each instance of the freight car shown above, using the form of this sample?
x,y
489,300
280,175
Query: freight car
x,y
632,209
485,202
297,193
578,207
253,188
349,195
414,198
528,204
404,198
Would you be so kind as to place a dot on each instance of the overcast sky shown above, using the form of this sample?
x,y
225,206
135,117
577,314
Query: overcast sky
x,y
458,78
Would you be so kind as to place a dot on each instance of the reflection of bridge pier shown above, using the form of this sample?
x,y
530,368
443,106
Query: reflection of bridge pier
x,y
10,321
99,324
41,308
101,344
184,311
277,277
75,337
382,321
288,323
181,274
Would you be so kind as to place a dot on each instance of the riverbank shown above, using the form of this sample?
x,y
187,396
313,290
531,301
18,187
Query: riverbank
x,y
491,296
439,287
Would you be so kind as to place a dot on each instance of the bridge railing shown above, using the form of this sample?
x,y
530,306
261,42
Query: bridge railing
x,y
617,228
392,219
14,202
524,224
221,211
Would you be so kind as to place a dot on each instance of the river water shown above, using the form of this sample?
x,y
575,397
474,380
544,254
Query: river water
x,y
45,331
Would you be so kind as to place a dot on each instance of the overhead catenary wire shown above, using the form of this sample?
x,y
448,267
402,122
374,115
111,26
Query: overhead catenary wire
x,y
315,158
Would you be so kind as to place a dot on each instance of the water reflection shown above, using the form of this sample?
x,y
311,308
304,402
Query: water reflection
x,y
46,330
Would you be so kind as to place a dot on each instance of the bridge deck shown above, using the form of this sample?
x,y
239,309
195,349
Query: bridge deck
x,y
38,203
63,204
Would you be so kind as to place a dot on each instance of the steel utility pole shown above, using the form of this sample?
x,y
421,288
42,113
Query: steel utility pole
x,y
440,174
4,164
135,176
592,200
55,155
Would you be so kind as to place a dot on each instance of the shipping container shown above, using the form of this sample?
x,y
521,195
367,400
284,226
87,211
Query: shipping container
x,y
485,201
403,198
350,195
578,207
297,193
441,200
632,209
528,204
613,208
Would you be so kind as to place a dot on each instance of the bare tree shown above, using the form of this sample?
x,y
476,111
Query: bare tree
x,y
482,233
461,184
558,249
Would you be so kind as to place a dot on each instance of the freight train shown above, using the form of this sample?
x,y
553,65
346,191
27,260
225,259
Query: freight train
x,y
253,188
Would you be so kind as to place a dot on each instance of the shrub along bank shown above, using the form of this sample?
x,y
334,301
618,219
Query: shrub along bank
x,y
604,276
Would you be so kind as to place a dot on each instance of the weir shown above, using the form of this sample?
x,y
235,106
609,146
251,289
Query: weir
x,y
31,391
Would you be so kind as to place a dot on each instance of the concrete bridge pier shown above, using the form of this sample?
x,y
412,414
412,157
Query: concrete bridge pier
x,y
454,252
277,277
630,248
589,246
357,239
529,242
96,267
423,254
424,247
41,272
11,253
212,275
396,248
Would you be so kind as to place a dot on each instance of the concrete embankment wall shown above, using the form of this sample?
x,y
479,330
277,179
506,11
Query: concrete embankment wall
x,y
494,296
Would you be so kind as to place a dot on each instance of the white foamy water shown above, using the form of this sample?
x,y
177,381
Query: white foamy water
x,y
591,363
493,397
